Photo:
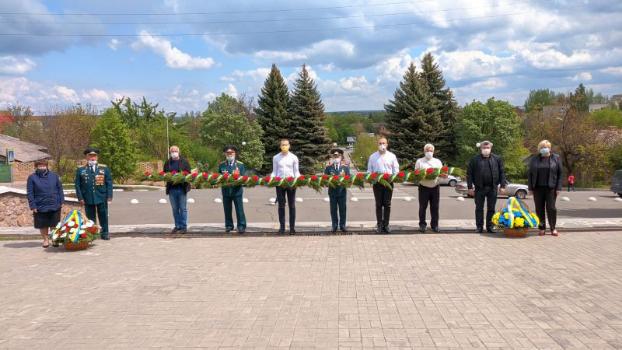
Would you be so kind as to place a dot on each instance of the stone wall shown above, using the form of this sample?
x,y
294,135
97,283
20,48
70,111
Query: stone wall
x,y
14,210
21,171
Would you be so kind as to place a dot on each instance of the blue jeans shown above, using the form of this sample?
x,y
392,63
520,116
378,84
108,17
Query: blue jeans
x,y
177,196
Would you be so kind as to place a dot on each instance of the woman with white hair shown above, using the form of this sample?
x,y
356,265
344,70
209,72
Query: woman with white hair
x,y
545,182
429,190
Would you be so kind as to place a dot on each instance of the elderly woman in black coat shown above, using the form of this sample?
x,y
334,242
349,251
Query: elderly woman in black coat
x,y
545,182
45,198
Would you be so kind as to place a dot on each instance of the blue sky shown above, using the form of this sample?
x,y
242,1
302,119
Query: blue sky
x,y
181,54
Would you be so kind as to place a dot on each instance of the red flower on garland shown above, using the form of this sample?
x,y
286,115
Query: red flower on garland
x,y
83,235
174,172
401,174
255,178
147,173
214,176
290,179
185,172
324,177
429,171
314,177
225,176
346,177
244,178
194,175
161,173
374,176
335,177
266,179
236,176
386,176
417,172
301,178
360,176
445,169
277,179
204,175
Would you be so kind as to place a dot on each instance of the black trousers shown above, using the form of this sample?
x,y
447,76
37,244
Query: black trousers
x,y
289,195
544,199
431,196
488,195
382,196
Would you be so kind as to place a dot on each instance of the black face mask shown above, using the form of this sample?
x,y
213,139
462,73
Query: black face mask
x,y
41,171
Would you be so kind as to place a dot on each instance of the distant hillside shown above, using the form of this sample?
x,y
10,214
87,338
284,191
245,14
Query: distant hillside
x,y
367,113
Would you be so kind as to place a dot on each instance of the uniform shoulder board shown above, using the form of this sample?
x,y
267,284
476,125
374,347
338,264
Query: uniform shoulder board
x,y
102,165
240,162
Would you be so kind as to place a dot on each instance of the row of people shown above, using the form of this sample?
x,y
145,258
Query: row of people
x,y
485,175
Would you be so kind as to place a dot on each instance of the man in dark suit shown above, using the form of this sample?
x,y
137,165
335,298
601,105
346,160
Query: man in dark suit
x,y
484,174
337,195
233,194
93,183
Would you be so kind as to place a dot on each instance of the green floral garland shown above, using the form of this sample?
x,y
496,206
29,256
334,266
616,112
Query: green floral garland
x,y
316,182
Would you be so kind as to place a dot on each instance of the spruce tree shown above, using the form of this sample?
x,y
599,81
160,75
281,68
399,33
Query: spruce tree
x,y
413,118
432,76
273,114
307,133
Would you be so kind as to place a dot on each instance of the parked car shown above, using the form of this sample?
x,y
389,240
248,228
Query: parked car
x,y
511,190
450,180
616,182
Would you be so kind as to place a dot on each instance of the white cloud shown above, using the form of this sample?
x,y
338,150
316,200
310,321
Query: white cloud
x,y
64,94
258,74
173,57
393,68
583,77
113,44
547,55
354,83
324,48
231,90
96,96
15,65
458,65
612,70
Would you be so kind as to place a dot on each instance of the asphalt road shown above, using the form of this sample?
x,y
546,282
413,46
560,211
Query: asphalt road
x,y
314,206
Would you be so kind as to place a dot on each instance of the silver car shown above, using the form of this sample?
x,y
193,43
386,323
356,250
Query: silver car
x,y
450,180
511,190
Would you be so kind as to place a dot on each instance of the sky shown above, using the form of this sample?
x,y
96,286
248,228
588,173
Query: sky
x,y
182,54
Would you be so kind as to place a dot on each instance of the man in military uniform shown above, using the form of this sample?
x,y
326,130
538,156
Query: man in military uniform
x,y
337,195
94,190
233,194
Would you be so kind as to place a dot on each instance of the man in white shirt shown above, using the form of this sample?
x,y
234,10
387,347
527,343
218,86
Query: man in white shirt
x,y
429,190
284,165
383,162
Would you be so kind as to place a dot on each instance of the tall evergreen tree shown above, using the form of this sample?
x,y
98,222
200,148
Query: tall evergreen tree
x,y
307,133
432,75
414,118
273,114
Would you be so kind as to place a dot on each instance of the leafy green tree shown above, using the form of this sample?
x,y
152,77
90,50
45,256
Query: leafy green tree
x,y
497,122
607,117
414,119
432,76
364,147
224,123
307,132
136,115
273,114
118,150
537,99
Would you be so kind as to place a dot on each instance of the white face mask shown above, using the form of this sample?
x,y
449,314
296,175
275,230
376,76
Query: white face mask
x,y
545,151
337,160
382,147
231,158
174,155
429,155
92,162
486,152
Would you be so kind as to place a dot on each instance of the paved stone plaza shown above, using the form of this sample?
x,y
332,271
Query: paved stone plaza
x,y
327,292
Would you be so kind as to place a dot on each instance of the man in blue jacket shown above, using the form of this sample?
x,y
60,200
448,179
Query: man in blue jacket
x,y
337,195
94,190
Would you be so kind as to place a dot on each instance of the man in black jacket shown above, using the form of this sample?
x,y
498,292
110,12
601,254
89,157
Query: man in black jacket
x,y
177,193
484,174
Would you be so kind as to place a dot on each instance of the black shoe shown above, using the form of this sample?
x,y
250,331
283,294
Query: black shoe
x,y
343,229
436,229
292,231
228,229
241,230
106,238
480,230
379,229
174,231
182,231
422,228
333,230
387,229
282,231
491,230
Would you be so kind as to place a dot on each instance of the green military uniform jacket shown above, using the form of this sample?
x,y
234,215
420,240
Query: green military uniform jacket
x,y
337,170
93,187
230,168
